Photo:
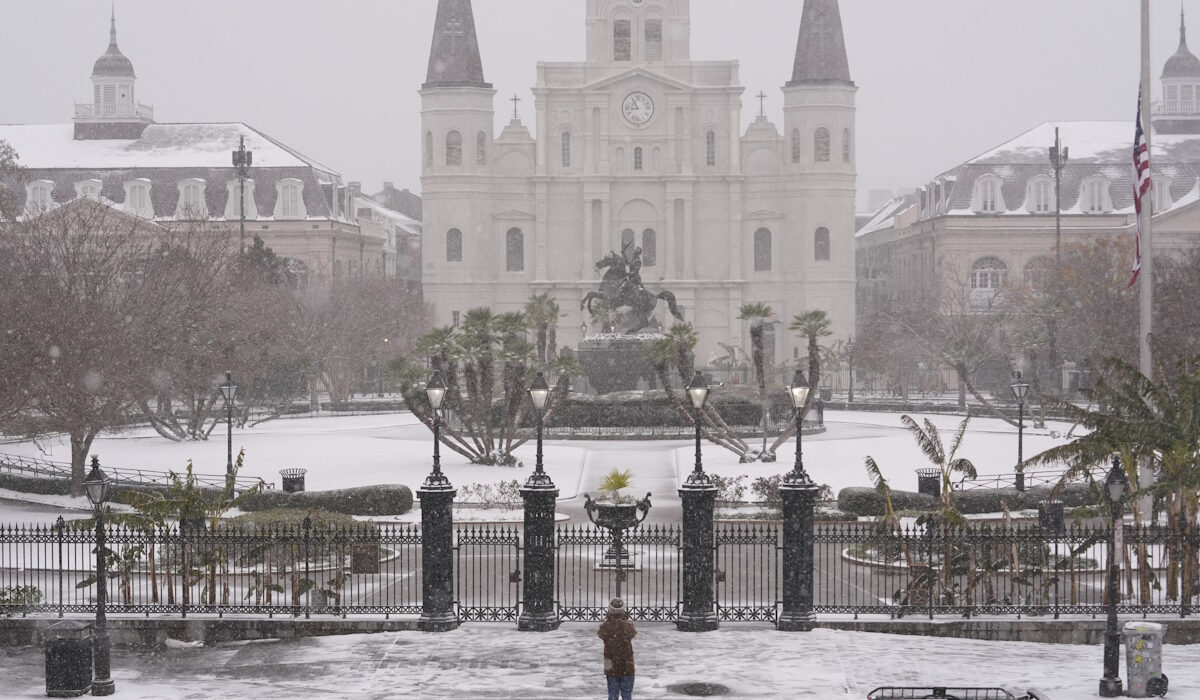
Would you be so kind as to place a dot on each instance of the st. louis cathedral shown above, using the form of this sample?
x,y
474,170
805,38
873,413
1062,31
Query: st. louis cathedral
x,y
640,146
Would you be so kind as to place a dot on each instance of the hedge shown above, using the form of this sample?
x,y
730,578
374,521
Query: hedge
x,y
649,409
365,500
866,501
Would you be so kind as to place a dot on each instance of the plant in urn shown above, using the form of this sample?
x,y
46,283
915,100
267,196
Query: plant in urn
x,y
616,512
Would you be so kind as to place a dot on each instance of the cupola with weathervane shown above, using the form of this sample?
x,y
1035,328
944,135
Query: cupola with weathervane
x,y
113,113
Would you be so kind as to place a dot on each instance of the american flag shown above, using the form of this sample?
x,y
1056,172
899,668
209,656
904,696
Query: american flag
x,y
1141,185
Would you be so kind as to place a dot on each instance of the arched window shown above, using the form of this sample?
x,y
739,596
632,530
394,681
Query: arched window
x,y
845,145
38,196
481,148
622,40
453,148
796,145
290,204
88,188
654,40
429,148
628,242
989,199
988,273
762,250
137,198
454,245
710,148
637,158
191,200
566,149
514,246
821,244
1161,194
821,145
649,248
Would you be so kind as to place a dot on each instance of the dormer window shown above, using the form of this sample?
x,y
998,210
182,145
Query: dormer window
x,y
1095,196
38,196
1040,197
137,198
290,201
233,203
989,199
191,200
1161,193
88,188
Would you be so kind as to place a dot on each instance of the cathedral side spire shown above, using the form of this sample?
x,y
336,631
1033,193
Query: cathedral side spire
x,y
821,48
454,59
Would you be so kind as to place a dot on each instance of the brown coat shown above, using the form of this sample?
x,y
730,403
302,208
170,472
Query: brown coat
x,y
618,634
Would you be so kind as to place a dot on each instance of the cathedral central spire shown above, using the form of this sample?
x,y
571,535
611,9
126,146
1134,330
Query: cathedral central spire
x,y
454,59
821,48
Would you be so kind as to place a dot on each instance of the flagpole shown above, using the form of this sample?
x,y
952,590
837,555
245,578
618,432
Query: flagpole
x,y
1146,276
1146,476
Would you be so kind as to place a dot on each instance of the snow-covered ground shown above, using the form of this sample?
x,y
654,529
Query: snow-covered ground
x,y
484,660
394,448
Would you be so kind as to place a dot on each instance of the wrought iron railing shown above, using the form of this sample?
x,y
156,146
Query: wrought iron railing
x,y
46,469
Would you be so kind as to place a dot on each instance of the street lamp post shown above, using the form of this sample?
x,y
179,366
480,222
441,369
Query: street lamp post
x,y
1115,486
435,391
850,359
539,394
798,493
242,160
697,392
437,528
1019,389
798,393
229,391
540,496
96,486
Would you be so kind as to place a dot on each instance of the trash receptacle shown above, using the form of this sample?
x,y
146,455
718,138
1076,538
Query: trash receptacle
x,y
68,659
1143,659
929,482
1052,516
293,479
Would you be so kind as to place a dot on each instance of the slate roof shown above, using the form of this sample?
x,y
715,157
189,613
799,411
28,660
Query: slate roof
x,y
166,154
821,47
454,59
1096,148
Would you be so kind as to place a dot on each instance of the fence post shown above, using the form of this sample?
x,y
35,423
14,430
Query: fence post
x,y
308,567
437,555
699,497
799,498
58,527
539,613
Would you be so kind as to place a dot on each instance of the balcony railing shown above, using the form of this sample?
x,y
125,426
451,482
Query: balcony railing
x,y
102,111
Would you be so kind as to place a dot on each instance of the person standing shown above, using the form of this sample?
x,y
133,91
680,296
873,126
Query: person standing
x,y
618,633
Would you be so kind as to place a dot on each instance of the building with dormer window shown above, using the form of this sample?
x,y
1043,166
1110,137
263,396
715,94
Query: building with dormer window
x,y
640,145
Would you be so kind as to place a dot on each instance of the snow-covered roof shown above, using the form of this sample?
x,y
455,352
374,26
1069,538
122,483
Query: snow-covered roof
x,y
886,216
404,223
53,146
1089,142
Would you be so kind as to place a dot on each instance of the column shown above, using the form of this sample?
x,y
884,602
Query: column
x,y
689,243
538,613
699,612
437,557
798,497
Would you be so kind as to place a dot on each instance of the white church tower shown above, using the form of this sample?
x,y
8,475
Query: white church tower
x,y
641,146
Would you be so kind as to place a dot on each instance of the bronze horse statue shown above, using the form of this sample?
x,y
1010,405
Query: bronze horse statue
x,y
622,286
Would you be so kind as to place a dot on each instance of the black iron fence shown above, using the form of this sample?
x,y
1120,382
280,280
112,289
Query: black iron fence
x,y
376,569
871,568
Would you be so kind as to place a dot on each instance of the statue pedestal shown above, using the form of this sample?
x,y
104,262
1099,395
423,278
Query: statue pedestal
x,y
616,361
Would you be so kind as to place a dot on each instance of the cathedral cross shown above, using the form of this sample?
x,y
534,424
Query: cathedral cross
x,y
762,104
454,27
515,100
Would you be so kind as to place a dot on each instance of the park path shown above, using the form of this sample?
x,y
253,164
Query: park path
x,y
653,467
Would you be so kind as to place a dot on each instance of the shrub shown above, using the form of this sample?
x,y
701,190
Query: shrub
x,y
731,489
387,499
19,597
502,494
293,518
866,501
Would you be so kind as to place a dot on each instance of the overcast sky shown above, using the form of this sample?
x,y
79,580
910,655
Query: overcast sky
x,y
939,80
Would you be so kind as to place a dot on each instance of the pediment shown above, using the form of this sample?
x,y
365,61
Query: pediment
x,y
514,215
764,215
638,72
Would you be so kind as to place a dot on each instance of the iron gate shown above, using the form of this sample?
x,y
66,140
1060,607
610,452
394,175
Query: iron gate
x,y
585,582
747,573
487,573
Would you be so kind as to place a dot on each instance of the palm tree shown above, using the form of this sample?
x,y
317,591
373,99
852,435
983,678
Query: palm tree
x,y
812,325
543,313
757,313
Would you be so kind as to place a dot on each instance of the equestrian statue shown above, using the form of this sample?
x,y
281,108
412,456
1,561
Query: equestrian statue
x,y
621,288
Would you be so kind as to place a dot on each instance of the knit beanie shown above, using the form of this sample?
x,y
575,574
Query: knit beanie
x,y
616,608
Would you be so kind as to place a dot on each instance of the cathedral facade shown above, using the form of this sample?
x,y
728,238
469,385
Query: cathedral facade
x,y
640,146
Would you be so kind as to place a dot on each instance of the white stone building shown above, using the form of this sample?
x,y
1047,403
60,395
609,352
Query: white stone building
x,y
640,144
